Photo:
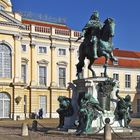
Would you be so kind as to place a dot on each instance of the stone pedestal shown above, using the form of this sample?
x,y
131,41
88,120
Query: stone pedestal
x,y
90,85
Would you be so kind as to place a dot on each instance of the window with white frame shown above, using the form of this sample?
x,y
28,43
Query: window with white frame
x,y
24,72
138,105
127,81
42,49
62,76
42,75
116,76
24,48
43,104
5,61
62,51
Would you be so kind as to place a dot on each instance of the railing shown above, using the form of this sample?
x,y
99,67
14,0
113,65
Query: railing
x,y
27,27
62,32
42,29
53,31
77,34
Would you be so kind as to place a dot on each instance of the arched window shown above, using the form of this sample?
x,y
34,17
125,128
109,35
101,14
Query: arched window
x,y
5,61
4,105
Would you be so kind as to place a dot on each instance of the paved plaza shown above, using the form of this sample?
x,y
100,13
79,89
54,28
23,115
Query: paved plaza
x,y
11,130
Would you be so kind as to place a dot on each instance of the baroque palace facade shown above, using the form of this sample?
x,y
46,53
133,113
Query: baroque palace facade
x,y
37,60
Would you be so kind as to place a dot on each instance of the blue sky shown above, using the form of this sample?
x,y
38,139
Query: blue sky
x,y
77,12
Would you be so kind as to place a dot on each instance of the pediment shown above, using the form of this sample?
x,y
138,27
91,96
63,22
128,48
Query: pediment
x,y
62,63
43,61
5,18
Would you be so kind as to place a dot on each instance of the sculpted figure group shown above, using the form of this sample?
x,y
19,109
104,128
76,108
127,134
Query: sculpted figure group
x,y
90,108
97,42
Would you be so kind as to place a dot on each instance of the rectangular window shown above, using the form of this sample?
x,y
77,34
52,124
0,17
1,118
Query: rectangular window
x,y
42,49
62,51
116,76
23,47
127,81
62,77
42,75
43,104
138,81
23,72
138,105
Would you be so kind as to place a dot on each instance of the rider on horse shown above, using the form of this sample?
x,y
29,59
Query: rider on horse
x,y
91,32
97,41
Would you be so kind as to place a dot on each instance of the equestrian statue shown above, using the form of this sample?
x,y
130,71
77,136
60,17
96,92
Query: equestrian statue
x,y
97,42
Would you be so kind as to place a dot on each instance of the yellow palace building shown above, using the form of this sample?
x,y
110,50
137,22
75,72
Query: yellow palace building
x,y
37,60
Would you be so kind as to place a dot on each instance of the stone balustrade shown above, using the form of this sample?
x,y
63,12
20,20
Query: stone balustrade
x,y
52,30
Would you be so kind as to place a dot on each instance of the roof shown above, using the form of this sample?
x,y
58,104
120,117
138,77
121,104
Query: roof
x,y
126,59
43,23
126,53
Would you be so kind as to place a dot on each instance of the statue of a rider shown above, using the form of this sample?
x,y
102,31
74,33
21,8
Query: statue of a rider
x,y
97,42
91,32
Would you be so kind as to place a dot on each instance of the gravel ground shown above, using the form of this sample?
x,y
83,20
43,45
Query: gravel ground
x,y
11,130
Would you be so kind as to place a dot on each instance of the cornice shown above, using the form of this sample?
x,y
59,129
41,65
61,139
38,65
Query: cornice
x,y
58,38
10,32
38,87
8,17
36,35
5,84
11,21
60,45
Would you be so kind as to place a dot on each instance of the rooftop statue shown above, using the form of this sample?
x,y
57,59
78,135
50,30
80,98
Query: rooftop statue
x,y
97,42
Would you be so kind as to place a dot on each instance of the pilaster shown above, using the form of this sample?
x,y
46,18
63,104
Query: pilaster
x,y
17,58
33,72
53,68
72,58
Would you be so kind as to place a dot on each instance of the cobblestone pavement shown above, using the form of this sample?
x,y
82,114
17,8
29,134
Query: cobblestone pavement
x,y
11,130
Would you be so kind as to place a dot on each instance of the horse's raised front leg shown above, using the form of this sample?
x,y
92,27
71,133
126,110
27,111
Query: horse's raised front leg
x,y
90,67
106,65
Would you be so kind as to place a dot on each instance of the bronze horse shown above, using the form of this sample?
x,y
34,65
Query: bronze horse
x,y
104,48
